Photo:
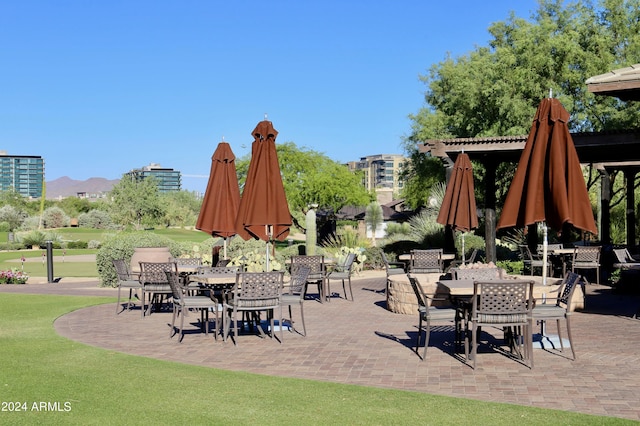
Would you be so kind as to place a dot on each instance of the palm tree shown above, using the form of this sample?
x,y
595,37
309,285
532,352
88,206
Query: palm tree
x,y
373,219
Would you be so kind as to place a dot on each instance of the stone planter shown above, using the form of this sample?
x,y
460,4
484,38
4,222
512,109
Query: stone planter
x,y
148,254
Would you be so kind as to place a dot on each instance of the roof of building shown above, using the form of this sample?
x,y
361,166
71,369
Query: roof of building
x,y
622,83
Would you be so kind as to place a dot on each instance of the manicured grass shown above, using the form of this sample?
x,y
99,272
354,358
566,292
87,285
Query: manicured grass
x,y
106,387
36,266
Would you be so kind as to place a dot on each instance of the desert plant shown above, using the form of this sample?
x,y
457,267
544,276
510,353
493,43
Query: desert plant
x,y
397,228
346,236
95,219
122,246
32,238
251,255
312,232
373,219
55,217
12,216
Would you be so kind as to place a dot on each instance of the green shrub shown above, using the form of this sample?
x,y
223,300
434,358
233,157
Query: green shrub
x,y
511,267
122,246
32,238
55,217
95,219
77,245
374,258
251,255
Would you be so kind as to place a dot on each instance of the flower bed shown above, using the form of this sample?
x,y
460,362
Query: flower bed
x,y
13,276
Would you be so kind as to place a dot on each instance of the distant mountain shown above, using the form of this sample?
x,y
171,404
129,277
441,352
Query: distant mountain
x,y
67,187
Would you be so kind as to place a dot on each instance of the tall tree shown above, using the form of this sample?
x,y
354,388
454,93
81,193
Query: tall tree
x,y
494,90
136,202
310,177
373,218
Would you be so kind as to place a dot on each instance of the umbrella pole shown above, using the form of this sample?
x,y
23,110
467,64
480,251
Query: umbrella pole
x,y
269,231
224,245
463,254
545,244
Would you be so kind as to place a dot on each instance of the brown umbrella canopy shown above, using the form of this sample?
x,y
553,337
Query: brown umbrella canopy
x,y
222,196
263,200
548,184
459,204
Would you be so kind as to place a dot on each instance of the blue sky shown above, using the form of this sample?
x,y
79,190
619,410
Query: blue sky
x,y
98,88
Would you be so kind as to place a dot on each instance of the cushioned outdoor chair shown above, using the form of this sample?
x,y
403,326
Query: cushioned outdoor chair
x,y
183,303
503,303
342,272
153,277
253,292
561,309
126,280
428,314
293,294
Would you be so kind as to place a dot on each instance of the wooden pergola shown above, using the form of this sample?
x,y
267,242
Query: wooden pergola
x,y
605,151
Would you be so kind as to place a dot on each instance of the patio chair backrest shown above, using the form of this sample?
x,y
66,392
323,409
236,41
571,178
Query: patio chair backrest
x,y
346,264
525,252
261,290
174,282
502,301
315,264
298,282
425,261
155,272
186,261
478,274
570,282
122,270
587,255
218,270
419,292
623,256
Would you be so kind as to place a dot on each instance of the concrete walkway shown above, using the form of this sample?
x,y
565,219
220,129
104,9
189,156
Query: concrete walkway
x,y
364,344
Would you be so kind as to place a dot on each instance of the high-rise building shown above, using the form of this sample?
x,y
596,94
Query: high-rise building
x,y
23,173
168,179
382,174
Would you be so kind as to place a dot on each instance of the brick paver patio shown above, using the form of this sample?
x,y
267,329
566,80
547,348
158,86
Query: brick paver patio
x,y
364,344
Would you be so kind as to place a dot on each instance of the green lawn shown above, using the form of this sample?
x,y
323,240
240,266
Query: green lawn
x,y
97,386
35,264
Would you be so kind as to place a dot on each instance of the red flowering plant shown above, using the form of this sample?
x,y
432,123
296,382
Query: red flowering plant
x,y
13,276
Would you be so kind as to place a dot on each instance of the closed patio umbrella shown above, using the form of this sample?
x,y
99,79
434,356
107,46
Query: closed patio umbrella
x,y
222,197
458,208
548,185
263,213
